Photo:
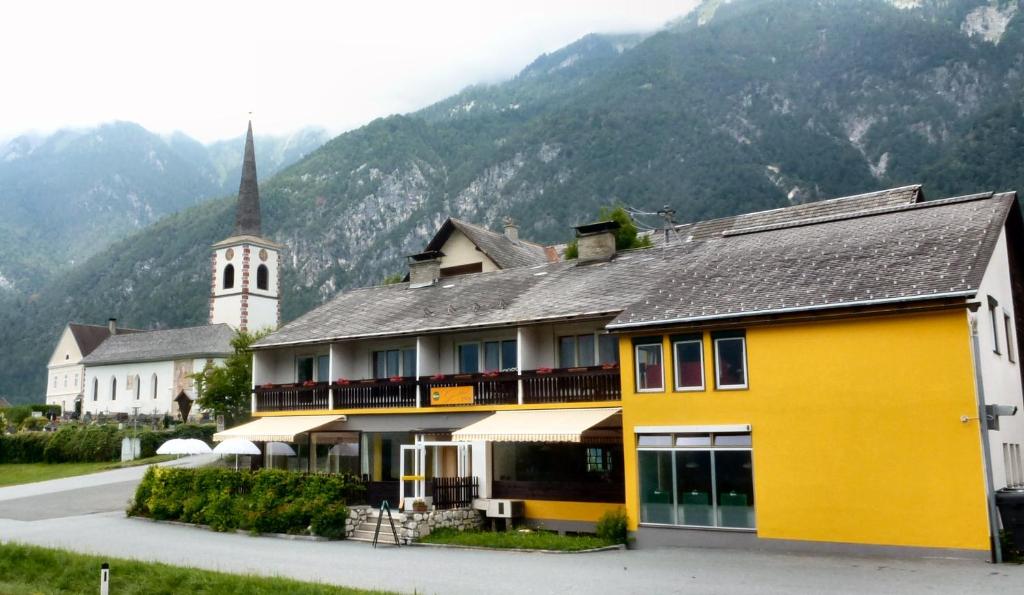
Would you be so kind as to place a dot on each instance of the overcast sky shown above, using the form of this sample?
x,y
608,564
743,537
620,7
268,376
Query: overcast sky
x,y
200,67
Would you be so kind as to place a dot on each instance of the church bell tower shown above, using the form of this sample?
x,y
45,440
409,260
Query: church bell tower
x,y
245,288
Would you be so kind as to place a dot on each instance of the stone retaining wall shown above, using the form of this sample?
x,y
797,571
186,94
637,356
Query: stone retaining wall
x,y
420,524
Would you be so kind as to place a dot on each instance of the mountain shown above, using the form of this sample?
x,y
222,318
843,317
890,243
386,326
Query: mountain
x,y
737,106
68,195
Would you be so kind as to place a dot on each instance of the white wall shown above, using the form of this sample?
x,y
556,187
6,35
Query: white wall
x,y
64,373
459,250
125,401
262,305
1001,376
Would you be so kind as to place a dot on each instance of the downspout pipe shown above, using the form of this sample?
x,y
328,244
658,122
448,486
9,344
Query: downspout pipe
x,y
986,453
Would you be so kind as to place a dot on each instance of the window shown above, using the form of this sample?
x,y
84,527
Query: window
x,y
992,305
500,355
262,277
688,352
730,360
487,356
599,460
152,384
113,389
705,480
65,381
649,371
1011,353
394,362
1013,466
587,350
229,276
54,381
95,389
138,387
323,368
304,365
76,379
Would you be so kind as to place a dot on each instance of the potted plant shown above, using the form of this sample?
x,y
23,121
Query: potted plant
x,y
342,381
437,376
419,505
395,378
545,370
309,383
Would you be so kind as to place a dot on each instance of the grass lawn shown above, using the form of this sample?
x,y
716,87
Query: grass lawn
x,y
30,569
526,540
18,473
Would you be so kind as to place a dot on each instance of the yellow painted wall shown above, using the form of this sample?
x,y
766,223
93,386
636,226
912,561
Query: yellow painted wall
x,y
856,429
567,511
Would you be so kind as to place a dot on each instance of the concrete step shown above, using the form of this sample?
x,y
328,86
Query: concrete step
x,y
384,537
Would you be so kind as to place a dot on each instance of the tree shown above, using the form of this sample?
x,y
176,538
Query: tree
x,y
226,389
625,237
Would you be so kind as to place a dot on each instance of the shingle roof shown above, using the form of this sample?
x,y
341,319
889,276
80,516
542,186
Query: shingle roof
x,y
247,215
89,336
505,252
897,251
200,341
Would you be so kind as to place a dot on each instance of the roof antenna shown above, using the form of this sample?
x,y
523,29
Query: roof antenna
x,y
669,214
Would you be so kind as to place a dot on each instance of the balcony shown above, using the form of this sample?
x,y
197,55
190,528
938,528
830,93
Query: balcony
x,y
542,386
292,397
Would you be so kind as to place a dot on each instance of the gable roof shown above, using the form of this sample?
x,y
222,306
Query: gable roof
x,y
895,251
505,252
212,340
90,336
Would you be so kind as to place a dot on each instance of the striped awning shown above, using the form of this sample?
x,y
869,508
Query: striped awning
x,y
545,425
277,429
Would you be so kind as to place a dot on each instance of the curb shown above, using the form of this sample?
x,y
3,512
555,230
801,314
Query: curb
x,y
238,531
607,548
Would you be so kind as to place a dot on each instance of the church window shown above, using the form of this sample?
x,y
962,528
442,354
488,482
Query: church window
x,y
138,387
153,385
95,389
229,276
113,389
262,277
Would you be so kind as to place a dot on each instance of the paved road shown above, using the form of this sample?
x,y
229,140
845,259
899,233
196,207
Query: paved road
x,y
434,570
66,513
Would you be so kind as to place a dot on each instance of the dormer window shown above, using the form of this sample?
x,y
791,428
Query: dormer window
x,y
263,277
229,276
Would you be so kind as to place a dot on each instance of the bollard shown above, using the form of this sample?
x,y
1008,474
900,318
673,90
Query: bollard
x,y
105,579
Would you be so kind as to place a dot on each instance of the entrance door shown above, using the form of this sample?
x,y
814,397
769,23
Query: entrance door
x,y
412,465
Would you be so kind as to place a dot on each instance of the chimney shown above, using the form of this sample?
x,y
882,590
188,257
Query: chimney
x,y
112,326
596,242
511,230
424,269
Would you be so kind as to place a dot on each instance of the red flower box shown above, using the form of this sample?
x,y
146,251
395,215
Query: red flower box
x,y
437,377
342,381
395,378
309,383
611,366
491,374
267,385
545,370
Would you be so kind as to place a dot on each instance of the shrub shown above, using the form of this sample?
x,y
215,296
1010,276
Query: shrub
x,y
613,526
26,447
264,501
33,424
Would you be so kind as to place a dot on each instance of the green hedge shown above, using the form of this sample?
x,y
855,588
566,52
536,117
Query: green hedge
x,y
74,443
264,501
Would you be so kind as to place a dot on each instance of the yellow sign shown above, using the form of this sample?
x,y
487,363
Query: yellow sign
x,y
451,395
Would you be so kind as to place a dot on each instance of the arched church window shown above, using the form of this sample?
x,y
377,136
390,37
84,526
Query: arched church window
x,y
229,276
153,385
138,387
113,389
263,277
95,389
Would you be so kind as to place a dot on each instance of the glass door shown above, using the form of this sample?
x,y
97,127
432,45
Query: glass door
x,y
411,468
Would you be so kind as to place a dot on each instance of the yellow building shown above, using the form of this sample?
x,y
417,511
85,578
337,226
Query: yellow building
x,y
806,377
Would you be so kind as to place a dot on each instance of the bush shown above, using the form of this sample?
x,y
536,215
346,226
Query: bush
x,y
26,447
77,443
264,501
613,526
33,424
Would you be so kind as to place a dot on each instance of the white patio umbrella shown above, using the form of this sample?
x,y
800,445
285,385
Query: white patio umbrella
x,y
236,446
279,449
344,449
183,446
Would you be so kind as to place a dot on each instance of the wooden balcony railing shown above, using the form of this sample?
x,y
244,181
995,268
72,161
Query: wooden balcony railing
x,y
572,385
375,393
292,397
569,385
488,389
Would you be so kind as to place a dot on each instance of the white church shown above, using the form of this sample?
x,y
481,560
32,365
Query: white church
x,y
148,372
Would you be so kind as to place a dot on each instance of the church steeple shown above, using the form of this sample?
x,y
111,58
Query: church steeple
x,y
247,218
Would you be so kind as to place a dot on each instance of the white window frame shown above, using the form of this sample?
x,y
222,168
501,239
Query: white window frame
x,y
1011,353
675,368
481,356
316,364
992,305
636,367
401,360
718,374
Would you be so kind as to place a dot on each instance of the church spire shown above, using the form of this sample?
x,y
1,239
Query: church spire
x,y
247,218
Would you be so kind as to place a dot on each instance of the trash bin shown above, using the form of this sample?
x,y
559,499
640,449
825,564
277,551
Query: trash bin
x,y
1010,502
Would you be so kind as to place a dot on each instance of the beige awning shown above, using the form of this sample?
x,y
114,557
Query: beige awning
x,y
547,425
277,429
